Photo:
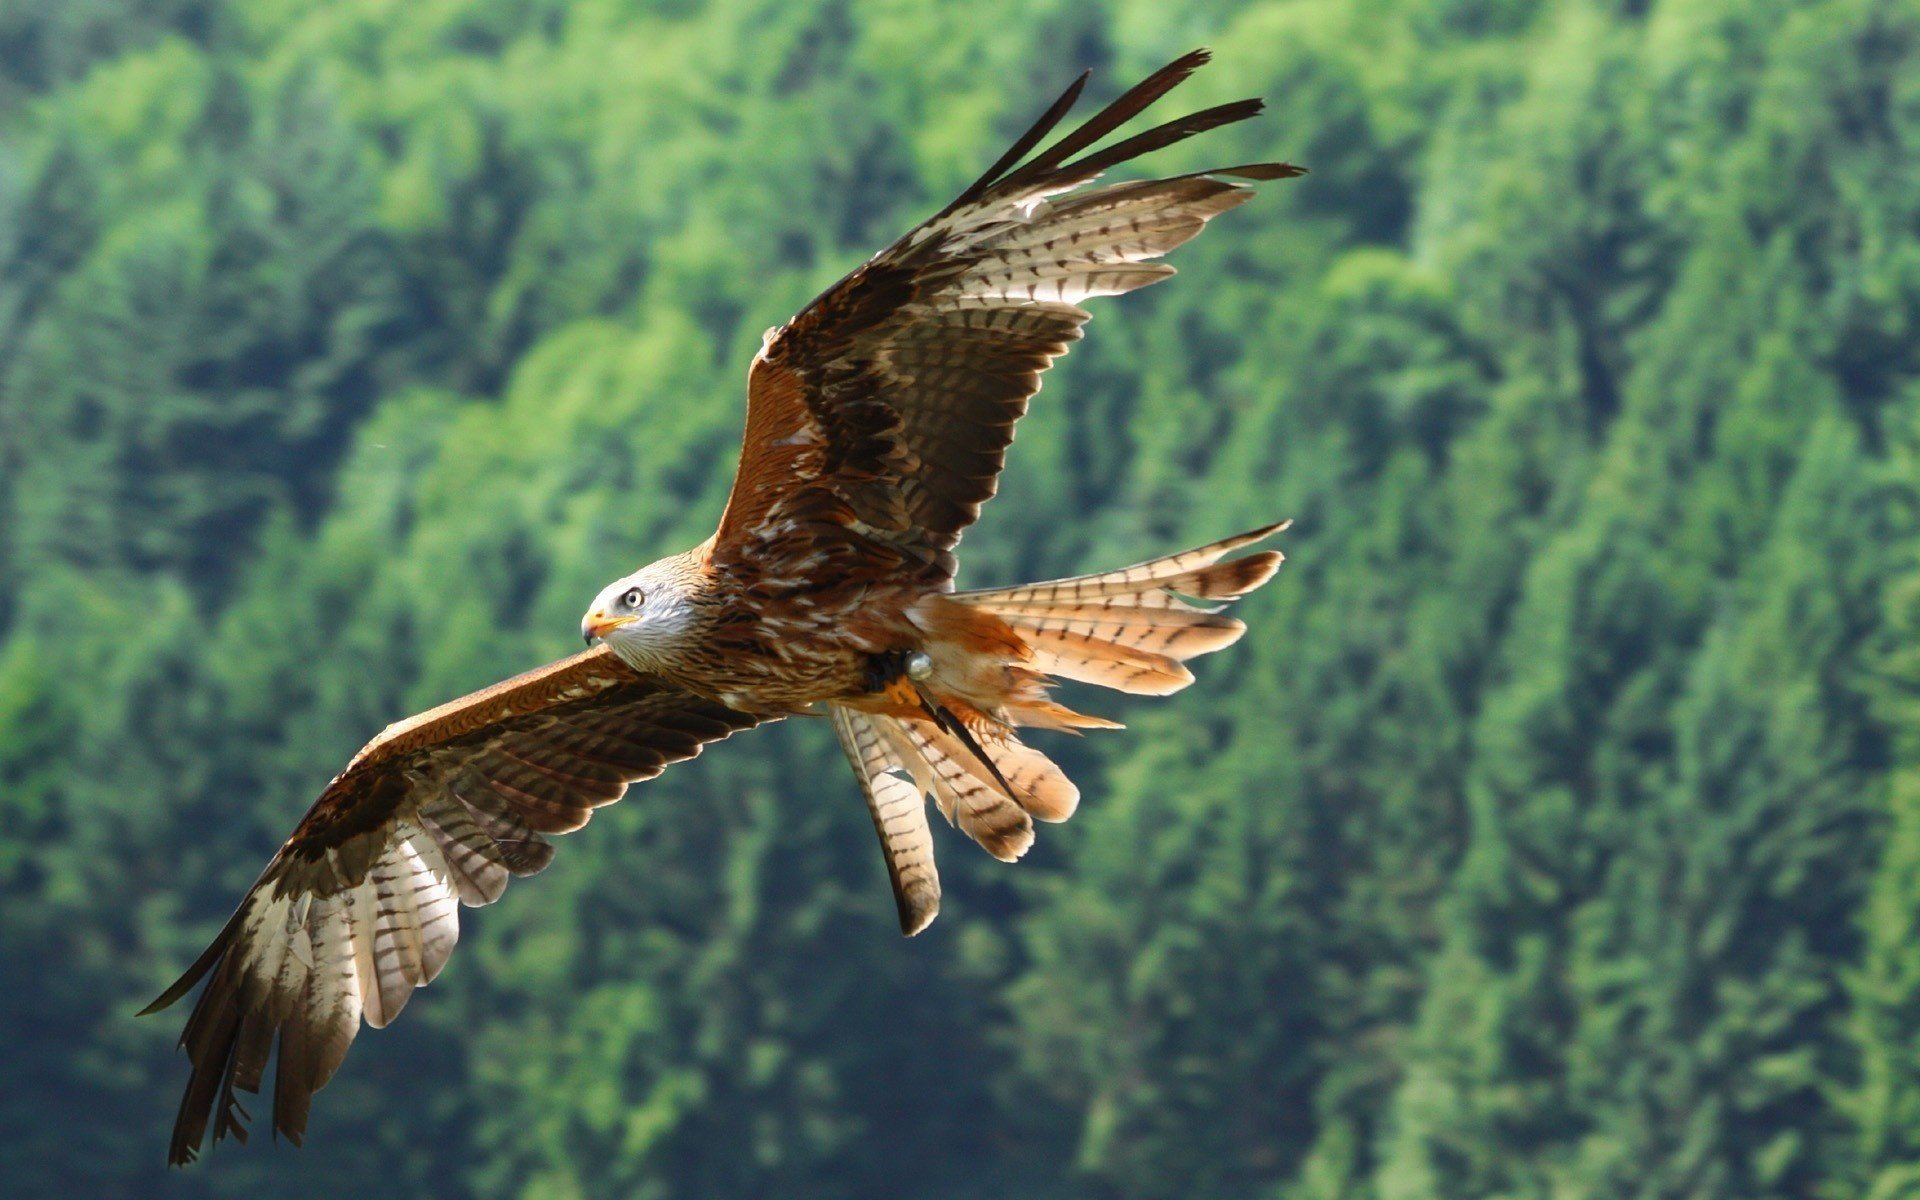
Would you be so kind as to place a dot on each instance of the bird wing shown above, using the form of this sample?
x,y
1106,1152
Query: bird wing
x,y
358,908
879,418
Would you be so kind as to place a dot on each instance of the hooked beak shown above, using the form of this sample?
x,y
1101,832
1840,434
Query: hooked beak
x,y
597,624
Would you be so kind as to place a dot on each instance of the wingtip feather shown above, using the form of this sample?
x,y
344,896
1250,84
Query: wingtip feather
x,y
1260,172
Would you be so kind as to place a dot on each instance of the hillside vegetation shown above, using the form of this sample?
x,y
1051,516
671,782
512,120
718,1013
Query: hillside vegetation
x,y
1555,834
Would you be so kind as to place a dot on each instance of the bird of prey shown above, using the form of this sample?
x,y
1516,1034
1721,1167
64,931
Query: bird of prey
x,y
877,422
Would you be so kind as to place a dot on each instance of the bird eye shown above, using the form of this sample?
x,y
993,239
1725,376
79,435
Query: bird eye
x,y
632,598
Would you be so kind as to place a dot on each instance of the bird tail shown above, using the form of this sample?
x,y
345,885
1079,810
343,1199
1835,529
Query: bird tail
x,y
987,783
1131,630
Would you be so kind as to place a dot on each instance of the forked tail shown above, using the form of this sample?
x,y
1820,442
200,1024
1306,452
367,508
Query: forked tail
x,y
1131,630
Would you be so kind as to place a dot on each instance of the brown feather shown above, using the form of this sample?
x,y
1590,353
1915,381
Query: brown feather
x,y
879,417
878,421
899,813
1130,629
359,907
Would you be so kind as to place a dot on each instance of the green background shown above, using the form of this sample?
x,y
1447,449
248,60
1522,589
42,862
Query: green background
x,y
1555,834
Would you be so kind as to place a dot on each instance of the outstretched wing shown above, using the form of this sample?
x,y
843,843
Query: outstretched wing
x,y
879,418
359,906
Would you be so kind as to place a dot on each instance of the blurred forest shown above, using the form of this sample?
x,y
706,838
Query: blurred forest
x,y
1555,834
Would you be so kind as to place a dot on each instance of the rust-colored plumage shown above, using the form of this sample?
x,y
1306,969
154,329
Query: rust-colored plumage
x,y
877,424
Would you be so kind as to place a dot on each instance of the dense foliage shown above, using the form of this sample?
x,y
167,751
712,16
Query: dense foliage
x,y
1557,833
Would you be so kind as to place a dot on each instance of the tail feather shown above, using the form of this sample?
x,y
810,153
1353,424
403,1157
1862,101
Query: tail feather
x,y
1177,633
901,761
1227,580
1132,629
899,811
967,795
1150,583
1039,784
1041,712
1093,658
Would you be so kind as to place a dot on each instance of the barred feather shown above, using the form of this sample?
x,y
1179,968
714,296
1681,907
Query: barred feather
x,y
878,422
965,792
1039,785
1142,580
899,810
879,410
1131,629
361,906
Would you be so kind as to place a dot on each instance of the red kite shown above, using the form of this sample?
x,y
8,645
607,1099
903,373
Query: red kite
x,y
877,423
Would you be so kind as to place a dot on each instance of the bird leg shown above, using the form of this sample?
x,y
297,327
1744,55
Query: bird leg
x,y
900,674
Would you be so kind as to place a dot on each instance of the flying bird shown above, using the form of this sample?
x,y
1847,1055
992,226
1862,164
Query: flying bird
x,y
877,423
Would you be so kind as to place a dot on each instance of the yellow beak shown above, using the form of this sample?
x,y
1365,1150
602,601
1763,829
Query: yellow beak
x,y
598,624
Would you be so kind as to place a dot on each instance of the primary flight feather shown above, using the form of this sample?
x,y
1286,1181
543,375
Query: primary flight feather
x,y
877,423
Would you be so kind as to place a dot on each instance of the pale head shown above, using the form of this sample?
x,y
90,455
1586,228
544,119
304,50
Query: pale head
x,y
650,618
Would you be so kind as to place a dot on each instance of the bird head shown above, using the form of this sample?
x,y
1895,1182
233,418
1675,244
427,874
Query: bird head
x,y
646,617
